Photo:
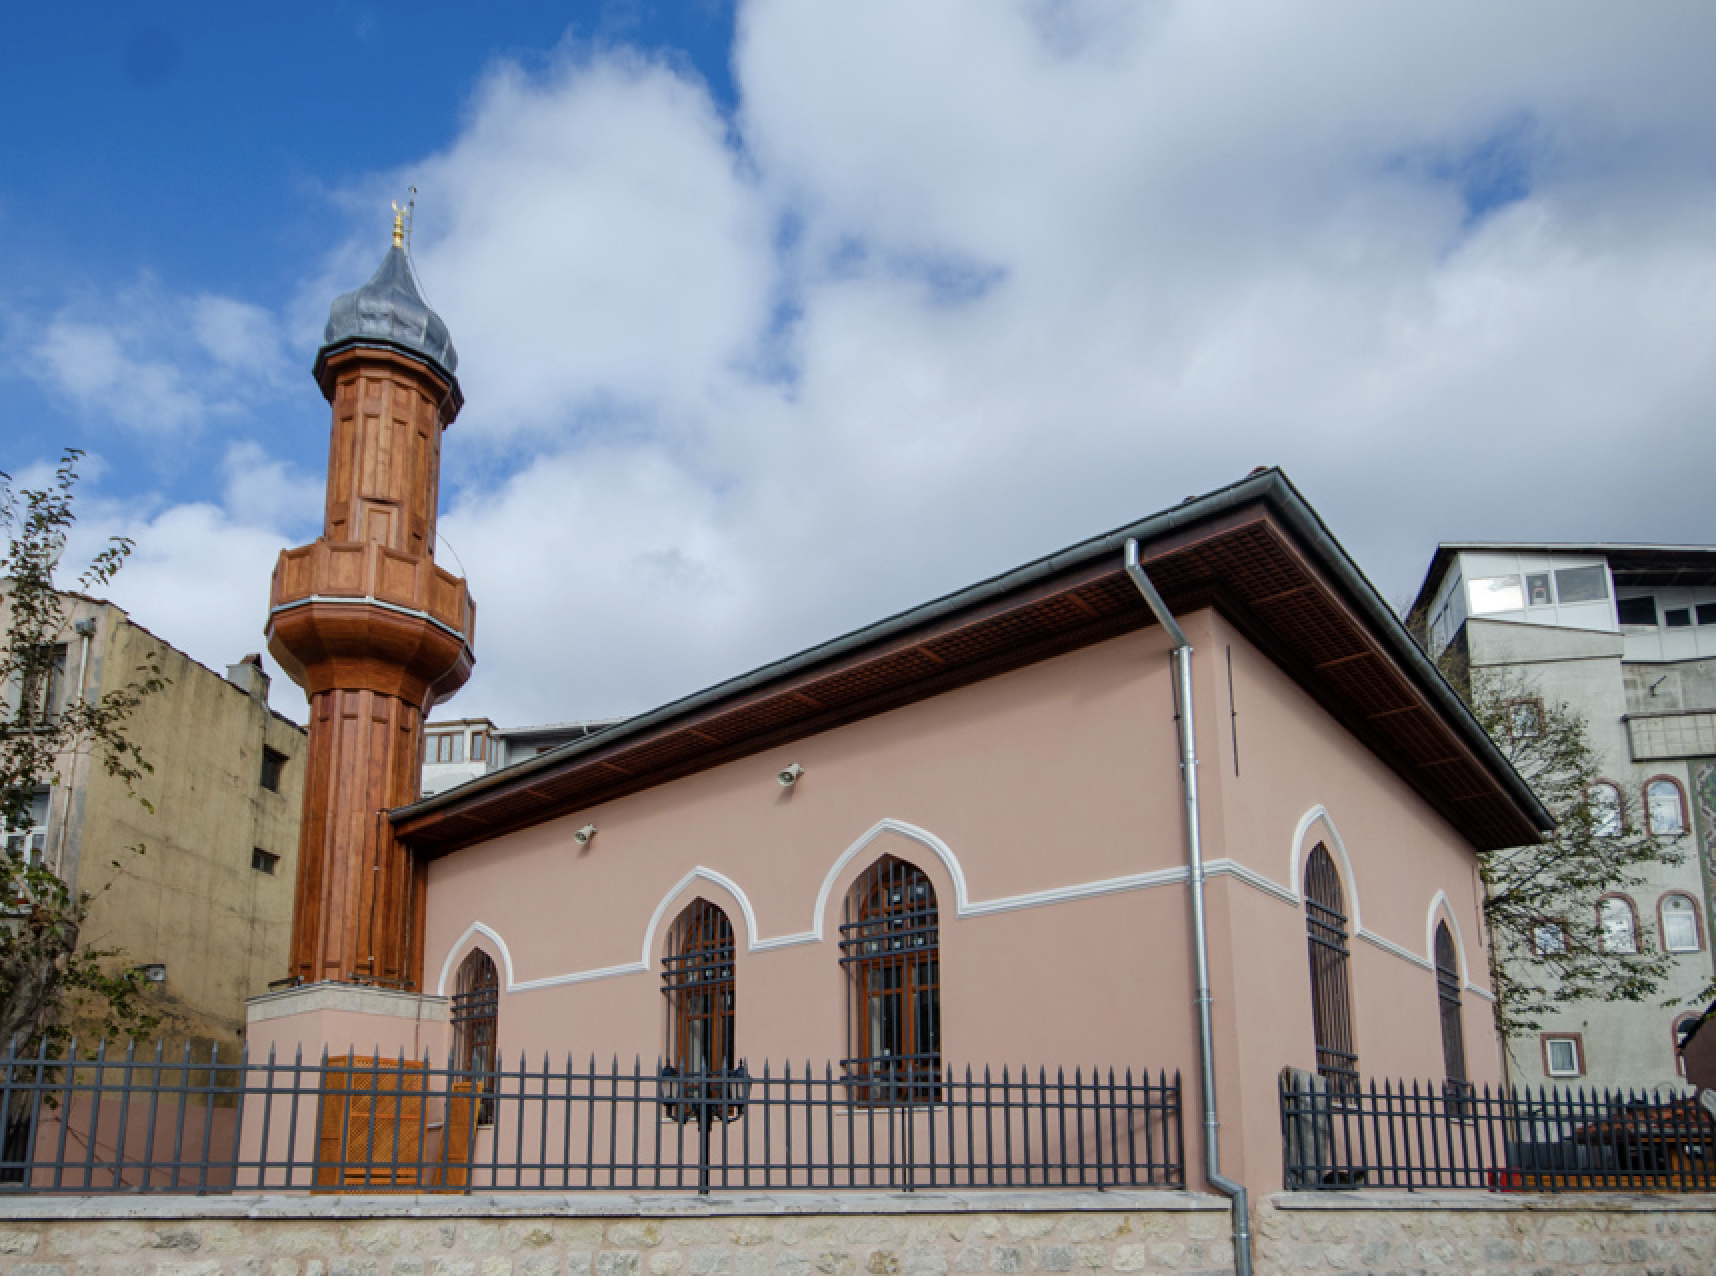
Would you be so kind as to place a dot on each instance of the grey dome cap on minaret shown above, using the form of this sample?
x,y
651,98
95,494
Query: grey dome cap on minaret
x,y
388,311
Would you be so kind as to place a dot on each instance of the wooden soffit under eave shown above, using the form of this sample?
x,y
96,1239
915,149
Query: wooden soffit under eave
x,y
1242,561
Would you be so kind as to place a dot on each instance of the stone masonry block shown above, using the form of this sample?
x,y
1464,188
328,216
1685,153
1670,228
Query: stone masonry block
x,y
1055,1258
924,1260
617,1262
667,1262
22,1242
540,1264
535,1234
882,1262
635,1235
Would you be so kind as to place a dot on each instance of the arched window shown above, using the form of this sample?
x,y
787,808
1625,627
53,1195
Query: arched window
x,y
475,1014
890,946
1677,1033
1617,924
1605,806
1679,918
1665,811
1448,999
697,980
1331,996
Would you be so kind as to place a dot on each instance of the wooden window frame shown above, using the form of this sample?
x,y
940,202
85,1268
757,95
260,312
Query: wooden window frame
x,y
890,944
1330,956
1449,1007
1578,1040
698,986
474,1012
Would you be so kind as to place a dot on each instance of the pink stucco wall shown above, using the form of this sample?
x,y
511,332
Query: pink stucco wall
x,y
1045,805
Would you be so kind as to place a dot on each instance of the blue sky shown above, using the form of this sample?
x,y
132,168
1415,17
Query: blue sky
x,y
775,318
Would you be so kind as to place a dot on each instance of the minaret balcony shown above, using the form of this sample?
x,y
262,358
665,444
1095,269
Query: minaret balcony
x,y
359,614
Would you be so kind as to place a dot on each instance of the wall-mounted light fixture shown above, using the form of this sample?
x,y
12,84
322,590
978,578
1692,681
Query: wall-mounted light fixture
x,y
583,835
788,776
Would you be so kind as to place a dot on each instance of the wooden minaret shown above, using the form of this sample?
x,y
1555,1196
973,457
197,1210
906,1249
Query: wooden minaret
x,y
372,629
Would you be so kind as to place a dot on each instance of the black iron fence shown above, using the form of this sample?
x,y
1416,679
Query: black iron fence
x,y
118,1121
1453,1135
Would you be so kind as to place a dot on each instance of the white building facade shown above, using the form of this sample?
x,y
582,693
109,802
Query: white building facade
x,y
1625,635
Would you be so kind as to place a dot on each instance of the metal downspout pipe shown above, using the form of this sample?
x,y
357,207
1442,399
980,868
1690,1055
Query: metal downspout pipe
x,y
1182,656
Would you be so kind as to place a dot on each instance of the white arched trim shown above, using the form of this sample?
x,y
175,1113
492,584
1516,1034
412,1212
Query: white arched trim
x,y
468,940
642,964
1441,910
1337,848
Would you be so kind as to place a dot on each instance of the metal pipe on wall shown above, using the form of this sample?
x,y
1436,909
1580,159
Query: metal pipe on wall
x,y
1182,657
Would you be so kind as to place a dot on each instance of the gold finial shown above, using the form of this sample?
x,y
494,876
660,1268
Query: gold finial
x,y
398,225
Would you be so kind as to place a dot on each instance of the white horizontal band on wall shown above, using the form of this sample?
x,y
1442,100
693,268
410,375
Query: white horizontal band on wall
x,y
964,907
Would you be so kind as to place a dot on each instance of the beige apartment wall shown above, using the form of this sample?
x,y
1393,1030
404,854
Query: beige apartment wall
x,y
1045,805
191,900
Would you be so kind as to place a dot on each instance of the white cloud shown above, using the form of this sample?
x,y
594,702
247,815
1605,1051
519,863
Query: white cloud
x,y
964,282
151,361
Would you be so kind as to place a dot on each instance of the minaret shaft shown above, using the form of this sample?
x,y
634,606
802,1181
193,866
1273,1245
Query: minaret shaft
x,y
374,632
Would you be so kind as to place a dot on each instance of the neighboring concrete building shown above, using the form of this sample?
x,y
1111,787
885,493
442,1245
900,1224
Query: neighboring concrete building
x,y
461,749
957,837
207,905
1626,635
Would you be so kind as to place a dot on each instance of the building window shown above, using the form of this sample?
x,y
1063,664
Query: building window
x,y
1549,939
1490,594
697,980
1617,925
479,745
1665,809
1706,613
272,765
1581,585
1537,589
37,693
1679,917
1639,611
891,947
1563,1055
27,837
1604,803
1677,1031
263,862
1677,618
1525,719
1331,995
475,1016
447,746
1448,1001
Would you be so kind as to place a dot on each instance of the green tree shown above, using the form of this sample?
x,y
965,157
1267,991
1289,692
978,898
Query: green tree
x,y
44,975
1548,945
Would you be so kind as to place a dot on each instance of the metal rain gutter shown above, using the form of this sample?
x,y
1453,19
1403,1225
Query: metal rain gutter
x,y
1182,657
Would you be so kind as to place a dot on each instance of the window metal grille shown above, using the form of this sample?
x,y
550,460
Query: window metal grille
x,y
890,945
1331,994
697,980
1448,999
475,1017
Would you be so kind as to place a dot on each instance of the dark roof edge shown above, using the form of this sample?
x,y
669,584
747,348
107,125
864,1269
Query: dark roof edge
x,y
454,392
1271,486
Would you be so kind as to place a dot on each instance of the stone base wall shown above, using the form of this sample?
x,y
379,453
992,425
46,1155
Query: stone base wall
x,y
851,1235
1429,1234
